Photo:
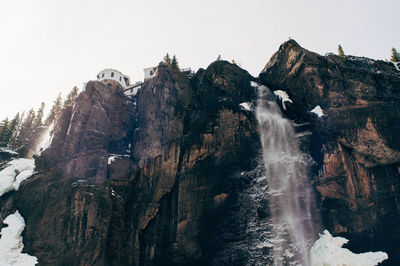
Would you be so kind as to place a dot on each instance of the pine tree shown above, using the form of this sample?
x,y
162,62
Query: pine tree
x,y
174,63
71,97
395,56
4,128
14,141
39,116
55,111
167,59
340,51
13,130
26,132
28,124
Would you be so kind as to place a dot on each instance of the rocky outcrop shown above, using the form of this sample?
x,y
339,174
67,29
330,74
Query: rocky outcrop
x,y
164,178
141,181
100,124
355,143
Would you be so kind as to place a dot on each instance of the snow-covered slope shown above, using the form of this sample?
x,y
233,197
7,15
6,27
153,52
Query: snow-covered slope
x,y
327,250
11,243
318,111
17,171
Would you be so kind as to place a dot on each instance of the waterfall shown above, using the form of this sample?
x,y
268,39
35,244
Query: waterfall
x,y
286,184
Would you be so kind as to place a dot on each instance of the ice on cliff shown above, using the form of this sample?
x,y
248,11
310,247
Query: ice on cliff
x,y
283,96
11,243
17,171
327,250
318,111
246,106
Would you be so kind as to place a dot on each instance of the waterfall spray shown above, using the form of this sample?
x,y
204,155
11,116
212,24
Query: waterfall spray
x,y
291,200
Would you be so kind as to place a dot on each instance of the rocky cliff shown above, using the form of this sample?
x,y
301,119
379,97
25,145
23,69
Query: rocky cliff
x,y
355,144
158,179
140,181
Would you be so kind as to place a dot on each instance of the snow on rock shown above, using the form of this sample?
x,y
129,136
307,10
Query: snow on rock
x,y
9,151
17,171
283,96
111,159
11,243
327,250
246,106
317,110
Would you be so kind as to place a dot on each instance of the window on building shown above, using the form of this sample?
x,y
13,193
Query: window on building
x,y
112,74
151,72
102,75
131,90
120,78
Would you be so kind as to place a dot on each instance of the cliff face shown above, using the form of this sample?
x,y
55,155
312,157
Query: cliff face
x,y
356,143
164,178
141,181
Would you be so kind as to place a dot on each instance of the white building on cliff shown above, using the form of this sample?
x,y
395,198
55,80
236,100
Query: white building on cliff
x,y
112,74
124,80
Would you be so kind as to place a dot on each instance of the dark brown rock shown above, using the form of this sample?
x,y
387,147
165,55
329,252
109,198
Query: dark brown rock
x,y
355,144
160,200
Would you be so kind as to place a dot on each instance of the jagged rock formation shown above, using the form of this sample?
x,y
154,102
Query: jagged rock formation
x,y
140,181
156,180
356,144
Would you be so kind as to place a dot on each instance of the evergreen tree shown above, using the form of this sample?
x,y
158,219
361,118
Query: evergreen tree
x,y
28,124
395,56
13,130
71,97
55,111
26,132
167,59
4,128
39,116
174,63
340,51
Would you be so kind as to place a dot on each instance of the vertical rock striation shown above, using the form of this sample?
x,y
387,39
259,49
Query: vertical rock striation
x,y
141,181
167,177
355,143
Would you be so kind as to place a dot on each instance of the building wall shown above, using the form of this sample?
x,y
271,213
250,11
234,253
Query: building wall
x,y
149,72
118,76
132,91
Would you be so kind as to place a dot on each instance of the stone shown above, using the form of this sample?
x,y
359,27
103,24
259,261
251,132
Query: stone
x,y
355,144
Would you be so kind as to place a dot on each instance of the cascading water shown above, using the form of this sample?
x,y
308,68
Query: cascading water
x,y
291,228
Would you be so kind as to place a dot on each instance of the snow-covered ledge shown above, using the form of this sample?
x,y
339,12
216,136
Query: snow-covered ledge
x,y
327,250
11,243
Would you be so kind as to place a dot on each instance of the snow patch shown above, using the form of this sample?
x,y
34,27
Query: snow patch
x,y
9,151
17,171
327,250
246,106
317,110
283,96
111,159
11,243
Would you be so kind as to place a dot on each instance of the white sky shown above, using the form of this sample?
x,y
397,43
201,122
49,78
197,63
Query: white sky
x,y
48,46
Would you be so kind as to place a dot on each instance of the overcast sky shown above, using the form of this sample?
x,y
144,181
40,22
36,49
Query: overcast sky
x,y
49,46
